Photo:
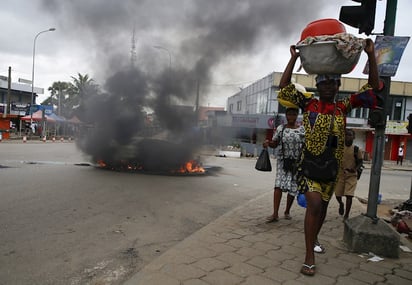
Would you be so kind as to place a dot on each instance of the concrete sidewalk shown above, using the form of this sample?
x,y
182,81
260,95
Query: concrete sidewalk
x,y
240,248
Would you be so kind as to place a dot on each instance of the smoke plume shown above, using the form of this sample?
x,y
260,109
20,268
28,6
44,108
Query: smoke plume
x,y
195,38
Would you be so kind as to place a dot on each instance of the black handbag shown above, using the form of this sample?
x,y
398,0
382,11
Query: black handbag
x,y
323,167
263,162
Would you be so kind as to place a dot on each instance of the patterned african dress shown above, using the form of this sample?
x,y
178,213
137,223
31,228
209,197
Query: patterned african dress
x,y
317,118
290,145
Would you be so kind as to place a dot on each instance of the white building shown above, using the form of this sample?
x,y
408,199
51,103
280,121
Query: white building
x,y
259,100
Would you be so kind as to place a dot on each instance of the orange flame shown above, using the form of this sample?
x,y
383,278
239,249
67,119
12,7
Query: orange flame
x,y
192,166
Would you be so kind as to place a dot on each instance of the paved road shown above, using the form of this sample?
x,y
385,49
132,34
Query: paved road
x,y
394,184
63,223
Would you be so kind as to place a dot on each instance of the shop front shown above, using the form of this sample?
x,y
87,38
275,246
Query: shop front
x,y
396,134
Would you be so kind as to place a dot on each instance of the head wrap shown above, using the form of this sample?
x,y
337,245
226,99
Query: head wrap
x,y
325,77
299,88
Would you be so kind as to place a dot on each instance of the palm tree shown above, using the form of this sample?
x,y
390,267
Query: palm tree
x,y
84,90
58,92
69,97
83,85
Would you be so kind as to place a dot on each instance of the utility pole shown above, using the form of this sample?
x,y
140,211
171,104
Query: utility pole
x,y
379,141
133,53
7,107
366,232
9,91
197,103
59,102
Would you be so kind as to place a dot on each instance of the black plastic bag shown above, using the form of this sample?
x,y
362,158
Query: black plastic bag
x,y
263,162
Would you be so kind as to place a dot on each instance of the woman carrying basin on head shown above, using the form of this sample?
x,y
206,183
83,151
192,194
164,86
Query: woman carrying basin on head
x,y
323,117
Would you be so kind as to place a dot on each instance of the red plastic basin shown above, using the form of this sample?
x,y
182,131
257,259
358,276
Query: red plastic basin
x,y
322,27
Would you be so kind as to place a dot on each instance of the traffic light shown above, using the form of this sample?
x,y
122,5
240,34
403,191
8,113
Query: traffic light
x,y
361,17
410,123
377,116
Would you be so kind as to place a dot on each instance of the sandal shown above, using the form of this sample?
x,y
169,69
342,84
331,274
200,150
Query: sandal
x,y
318,248
288,217
271,219
308,270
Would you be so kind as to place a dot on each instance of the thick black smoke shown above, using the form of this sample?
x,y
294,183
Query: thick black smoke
x,y
199,36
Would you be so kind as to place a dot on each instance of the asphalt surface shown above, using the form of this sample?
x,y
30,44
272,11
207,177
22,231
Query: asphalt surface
x,y
240,248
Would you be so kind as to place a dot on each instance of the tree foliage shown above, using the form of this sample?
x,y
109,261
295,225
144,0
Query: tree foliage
x,y
68,97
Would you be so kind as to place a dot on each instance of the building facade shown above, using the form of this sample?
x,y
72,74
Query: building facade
x,y
15,102
260,98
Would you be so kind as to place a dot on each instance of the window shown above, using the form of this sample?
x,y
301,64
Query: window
x,y
239,106
397,112
262,102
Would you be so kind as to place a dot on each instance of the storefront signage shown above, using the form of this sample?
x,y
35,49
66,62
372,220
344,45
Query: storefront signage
x,y
245,121
396,128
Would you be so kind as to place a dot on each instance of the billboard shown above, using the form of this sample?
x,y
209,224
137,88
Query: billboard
x,y
388,52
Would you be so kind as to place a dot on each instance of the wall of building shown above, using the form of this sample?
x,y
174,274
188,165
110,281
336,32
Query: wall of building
x,y
253,97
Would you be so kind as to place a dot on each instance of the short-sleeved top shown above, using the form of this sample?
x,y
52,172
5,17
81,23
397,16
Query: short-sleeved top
x,y
317,116
348,161
290,141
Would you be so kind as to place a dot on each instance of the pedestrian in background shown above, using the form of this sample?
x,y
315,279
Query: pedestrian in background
x,y
400,155
289,138
348,174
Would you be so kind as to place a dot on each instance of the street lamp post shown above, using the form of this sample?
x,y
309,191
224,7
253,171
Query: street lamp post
x,y
169,74
32,72
170,56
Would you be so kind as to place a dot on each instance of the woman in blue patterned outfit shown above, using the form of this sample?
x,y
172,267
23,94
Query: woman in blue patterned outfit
x,y
289,138
317,119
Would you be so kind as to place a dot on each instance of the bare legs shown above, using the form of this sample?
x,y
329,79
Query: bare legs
x,y
277,197
289,203
341,205
316,210
348,206
342,209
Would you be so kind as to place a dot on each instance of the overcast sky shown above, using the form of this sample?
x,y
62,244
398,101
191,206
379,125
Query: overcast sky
x,y
227,43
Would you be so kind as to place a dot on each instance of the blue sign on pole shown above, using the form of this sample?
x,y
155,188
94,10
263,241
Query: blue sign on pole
x,y
388,52
46,108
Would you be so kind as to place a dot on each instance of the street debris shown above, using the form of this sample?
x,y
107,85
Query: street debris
x,y
372,257
405,248
375,258
402,218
